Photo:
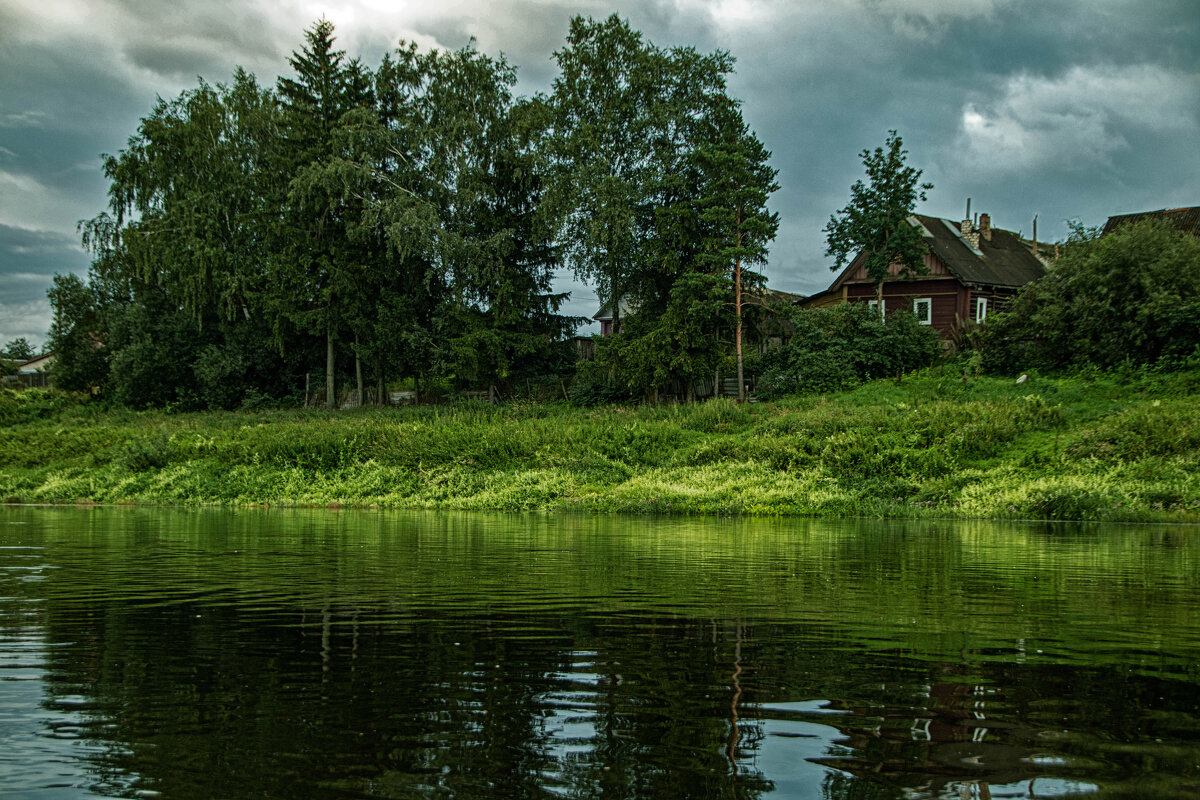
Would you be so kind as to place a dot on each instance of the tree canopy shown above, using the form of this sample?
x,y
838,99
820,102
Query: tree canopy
x,y
405,223
392,220
19,349
875,221
660,191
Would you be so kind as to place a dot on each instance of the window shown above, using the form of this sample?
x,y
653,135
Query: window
x,y
923,310
873,305
981,309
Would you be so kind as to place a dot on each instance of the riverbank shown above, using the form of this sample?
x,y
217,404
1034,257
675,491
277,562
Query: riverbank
x,y
930,445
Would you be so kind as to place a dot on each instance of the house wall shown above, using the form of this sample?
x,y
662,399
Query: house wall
x,y
947,296
933,266
998,300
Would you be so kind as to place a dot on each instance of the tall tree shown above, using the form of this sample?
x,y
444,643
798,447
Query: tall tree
x,y
185,199
629,120
875,221
602,146
180,256
738,182
400,293
318,258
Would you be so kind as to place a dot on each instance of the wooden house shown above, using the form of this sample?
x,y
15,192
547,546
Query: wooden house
x,y
971,270
1186,220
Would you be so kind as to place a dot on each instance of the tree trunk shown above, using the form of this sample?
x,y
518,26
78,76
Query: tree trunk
x,y
717,371
330,396
358,371
379,399
879,301
737,307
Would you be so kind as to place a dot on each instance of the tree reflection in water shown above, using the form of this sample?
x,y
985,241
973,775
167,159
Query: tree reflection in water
x,y
449,657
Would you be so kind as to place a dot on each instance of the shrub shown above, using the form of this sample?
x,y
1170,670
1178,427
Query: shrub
x,y
28,405
1066,502
841,347
1127,297
146,452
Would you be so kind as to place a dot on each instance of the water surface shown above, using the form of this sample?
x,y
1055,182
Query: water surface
x,y
212,654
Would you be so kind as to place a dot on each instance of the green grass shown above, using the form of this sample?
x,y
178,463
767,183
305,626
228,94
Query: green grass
x,y
931,445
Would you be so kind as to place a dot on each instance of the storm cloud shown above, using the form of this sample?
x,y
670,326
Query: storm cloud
x,y
1064,110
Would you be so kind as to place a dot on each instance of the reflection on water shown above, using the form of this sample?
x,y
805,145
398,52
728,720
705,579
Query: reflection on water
x,y
148,653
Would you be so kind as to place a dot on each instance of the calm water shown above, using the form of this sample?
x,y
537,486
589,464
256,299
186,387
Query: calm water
x,y
198,655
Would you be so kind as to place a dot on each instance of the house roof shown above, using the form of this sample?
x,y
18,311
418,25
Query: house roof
x,y
37,363
767,297
1185,219
1005,260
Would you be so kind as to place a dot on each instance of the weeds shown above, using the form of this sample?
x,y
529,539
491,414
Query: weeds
x,y
933,444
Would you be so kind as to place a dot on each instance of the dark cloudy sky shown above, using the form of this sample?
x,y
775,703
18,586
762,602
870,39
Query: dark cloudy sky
x,y
1066,110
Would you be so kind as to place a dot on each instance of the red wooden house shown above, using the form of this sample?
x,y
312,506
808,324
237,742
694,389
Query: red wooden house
x,y
971,270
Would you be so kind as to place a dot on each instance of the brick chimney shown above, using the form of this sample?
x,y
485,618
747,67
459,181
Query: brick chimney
x,y
970,234
985,227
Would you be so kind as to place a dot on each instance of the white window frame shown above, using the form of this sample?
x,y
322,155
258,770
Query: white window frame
x,y
981,309
873,304
928,301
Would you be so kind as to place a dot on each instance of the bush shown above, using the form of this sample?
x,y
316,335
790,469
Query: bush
x,y
1130,297
1066,502
841,347
146,453
17,407
218,373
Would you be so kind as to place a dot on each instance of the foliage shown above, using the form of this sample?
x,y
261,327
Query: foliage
x,y
875,221
389,224
18,349
840,347
18,407
604,106
680,344
77,334
933,445
1130,296
659,190
738,182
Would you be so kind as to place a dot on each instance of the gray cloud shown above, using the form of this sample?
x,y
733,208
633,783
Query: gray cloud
x,y
28,261
1065,110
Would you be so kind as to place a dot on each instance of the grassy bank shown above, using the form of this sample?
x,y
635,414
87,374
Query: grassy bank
x,y
931,445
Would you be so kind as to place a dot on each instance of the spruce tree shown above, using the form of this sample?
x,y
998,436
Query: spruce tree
x,y
738,182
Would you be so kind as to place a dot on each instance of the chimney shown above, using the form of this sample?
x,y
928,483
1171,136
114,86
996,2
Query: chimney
x,y
970,234
985,226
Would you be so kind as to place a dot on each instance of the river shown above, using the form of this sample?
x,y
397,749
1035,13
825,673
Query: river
x,y
351,654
